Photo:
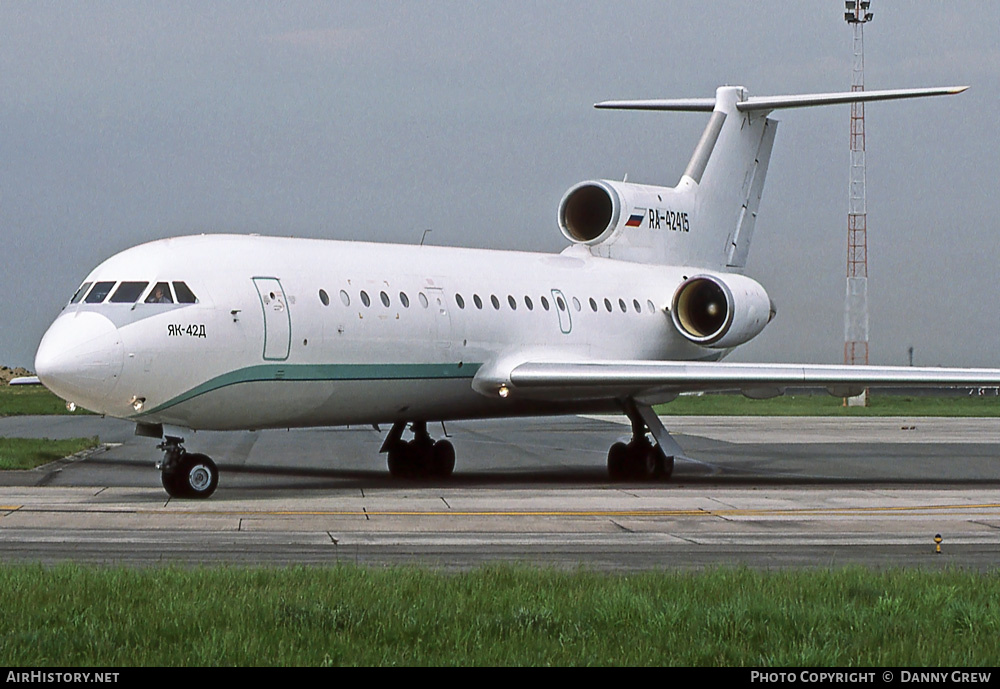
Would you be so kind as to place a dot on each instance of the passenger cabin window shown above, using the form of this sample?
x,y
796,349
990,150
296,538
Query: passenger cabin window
x,y
405,300
128,292
99,293
324,297
80,292
184,295
160,294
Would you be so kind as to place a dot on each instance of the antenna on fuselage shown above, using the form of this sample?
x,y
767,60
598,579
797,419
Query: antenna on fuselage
x,y
424,236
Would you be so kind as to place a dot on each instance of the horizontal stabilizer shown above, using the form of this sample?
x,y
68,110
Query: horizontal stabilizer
x,y
813,99
677,104
779,102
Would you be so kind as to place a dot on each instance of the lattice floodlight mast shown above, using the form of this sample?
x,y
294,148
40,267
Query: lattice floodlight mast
x,y
856,301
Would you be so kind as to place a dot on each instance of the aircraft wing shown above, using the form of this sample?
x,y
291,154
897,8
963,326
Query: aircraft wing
x,y
653,380
25,380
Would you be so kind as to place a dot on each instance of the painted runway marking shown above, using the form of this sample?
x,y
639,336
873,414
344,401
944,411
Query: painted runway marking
x,y
978,509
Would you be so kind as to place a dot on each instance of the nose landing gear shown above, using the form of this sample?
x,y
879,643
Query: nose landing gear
x,y
185,474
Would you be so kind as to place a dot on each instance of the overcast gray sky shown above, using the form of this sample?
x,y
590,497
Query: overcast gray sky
x,y
122,122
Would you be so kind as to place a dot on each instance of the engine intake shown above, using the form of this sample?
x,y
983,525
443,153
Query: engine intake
x,y
702,309
589,212
718,313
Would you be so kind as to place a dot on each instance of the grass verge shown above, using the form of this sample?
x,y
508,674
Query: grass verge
x,y
23,400
28,453
73,615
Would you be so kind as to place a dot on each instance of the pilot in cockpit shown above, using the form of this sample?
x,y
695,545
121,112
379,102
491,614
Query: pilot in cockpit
x,y
159,295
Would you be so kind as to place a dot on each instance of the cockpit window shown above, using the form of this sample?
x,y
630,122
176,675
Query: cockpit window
x,y
80,292
99,293
184,294
128,292
160,294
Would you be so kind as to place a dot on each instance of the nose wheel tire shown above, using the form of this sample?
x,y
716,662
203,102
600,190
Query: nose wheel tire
x,y
190,476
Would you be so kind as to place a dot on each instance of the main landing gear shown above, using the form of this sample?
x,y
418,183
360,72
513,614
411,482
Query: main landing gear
x,y
641,460
418,458
185,474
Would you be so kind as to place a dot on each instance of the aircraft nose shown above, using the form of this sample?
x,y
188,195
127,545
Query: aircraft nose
x,y
80,358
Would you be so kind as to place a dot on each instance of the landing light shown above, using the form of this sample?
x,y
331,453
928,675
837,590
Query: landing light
x,y
71,406
137,402
504,391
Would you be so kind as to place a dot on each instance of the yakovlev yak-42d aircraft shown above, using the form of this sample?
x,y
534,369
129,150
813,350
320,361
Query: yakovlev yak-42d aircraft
x,y
226,332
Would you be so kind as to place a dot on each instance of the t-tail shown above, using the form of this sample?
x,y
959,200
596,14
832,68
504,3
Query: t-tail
x,y
708,219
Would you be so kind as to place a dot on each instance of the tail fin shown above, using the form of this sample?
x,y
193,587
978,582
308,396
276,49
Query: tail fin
x,y
722,185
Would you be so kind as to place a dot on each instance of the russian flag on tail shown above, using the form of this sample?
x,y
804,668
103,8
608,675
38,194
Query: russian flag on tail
x,y
635,220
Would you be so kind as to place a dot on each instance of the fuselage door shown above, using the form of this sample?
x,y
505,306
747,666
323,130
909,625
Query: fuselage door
x,y
442,319
277,319
562,308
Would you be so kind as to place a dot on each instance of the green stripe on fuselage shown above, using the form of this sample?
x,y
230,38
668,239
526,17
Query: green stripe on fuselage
x,y
322,372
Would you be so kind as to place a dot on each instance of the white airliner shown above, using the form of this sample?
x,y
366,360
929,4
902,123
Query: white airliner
x,y
247,332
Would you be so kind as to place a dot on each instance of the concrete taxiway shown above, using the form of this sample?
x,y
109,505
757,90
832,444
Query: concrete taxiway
x,y
765,492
